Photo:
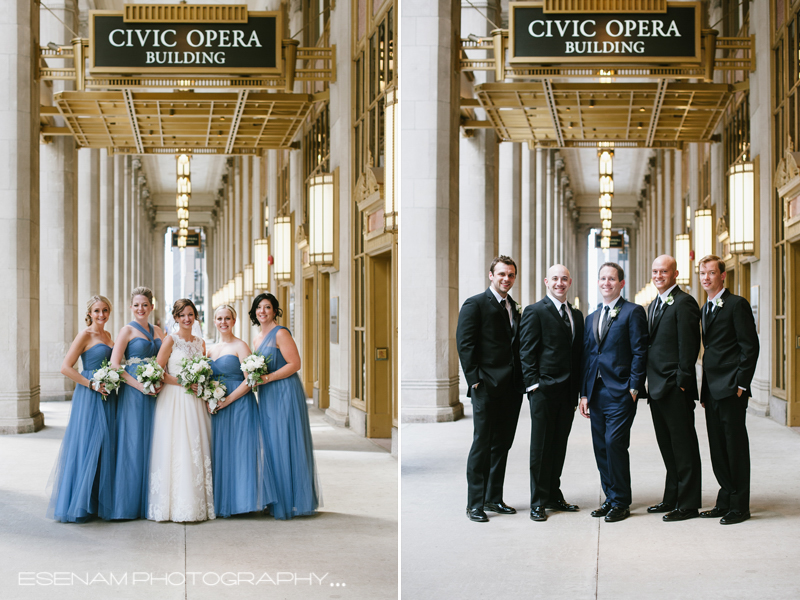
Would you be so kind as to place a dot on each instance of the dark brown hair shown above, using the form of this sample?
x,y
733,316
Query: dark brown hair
x,y
620,270
179,305
257,300
506,260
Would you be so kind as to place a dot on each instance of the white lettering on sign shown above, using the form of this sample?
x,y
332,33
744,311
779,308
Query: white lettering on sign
x,y
604,47
220,38
615,28
185,58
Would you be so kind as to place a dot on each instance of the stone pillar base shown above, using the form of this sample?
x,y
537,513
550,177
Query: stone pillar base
x,y
439,414
56,396
336,418
21,424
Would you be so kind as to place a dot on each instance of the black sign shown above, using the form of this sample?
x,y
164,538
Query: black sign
x,y
192,240
184,47
615,242
673,36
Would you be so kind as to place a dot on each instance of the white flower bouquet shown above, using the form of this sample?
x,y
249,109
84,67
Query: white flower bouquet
x,y
253,367
105,375
196,370
149,374
213,393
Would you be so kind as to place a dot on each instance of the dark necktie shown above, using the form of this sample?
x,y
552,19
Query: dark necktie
x,y
565,316
504,304
707,314
655,311
604,322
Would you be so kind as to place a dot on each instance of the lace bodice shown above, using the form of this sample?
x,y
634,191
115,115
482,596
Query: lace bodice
x,y
183,349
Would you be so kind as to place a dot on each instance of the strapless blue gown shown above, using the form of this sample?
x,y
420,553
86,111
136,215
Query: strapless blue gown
x,y
134,434
83,476
236,449
287,437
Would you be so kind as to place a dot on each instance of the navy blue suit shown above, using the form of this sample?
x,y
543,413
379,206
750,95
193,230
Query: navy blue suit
x,y
613,365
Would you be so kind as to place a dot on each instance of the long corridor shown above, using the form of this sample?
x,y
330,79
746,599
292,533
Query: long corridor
x,y
573,556
348,550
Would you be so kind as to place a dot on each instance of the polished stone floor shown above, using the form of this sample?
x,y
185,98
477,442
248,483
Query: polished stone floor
x,y
347,551
573,556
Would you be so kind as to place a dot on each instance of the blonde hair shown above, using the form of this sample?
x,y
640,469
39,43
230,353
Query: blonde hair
x,y
227,306
142,291
92,301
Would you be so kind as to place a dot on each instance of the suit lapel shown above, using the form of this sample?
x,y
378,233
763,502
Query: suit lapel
x,y
611,320
713,316
595,316
514,315
664,306
496,305
554,311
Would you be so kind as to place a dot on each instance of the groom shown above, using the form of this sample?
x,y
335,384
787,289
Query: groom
x,y
614,369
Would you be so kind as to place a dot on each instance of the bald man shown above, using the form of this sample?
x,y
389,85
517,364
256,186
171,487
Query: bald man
x,y
551,343
674,323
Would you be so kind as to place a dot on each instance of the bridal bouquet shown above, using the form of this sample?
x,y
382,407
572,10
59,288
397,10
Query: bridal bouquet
x,y
111,378
253,367
149,374
195,370
213,393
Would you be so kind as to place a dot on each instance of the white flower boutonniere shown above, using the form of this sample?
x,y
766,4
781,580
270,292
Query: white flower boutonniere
x,y
669,300
613,312
718,302
519,309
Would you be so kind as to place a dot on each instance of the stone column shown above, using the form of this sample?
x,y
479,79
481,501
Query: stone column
x,y
106,225
159,283
527,261
121,176
19,220
510,203
88,225
430,204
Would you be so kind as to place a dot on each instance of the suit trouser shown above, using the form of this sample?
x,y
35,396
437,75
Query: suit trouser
x,y
730,450
552,413
673,421
611,419
494,420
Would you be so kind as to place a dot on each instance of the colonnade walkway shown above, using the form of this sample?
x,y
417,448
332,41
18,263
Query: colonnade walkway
x,y
574,556
348,550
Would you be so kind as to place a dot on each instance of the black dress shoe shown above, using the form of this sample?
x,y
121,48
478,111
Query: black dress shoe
x,y
617,513
603,510
538,513
681,514
734,517
714,513
561,505
660,507
477,515
500,507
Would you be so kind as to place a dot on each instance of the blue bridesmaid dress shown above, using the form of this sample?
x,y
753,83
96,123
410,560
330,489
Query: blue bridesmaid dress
x,y
287,437
236,448
134,433
83,475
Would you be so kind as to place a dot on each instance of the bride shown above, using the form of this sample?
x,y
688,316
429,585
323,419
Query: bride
x,y
181,488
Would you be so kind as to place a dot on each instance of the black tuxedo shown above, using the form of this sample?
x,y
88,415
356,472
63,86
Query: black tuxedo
x,y
671,359
730,343
613,365
488,347
551,357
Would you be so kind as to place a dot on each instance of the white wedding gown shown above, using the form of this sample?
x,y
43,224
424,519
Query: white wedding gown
x,y
181,488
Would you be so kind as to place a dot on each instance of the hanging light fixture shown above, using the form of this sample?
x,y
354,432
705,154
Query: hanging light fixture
x,y
390,210
703,235
249,288
682,248
261,264
321,219
605,201
742,210
283,248
184,192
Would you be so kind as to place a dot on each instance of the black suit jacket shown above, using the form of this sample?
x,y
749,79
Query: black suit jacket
x,y
620,356
488,346
549,353
730,344
674,346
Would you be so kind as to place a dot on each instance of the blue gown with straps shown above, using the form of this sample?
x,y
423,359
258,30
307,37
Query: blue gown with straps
x,y
134,432
237,451
287,437
83,475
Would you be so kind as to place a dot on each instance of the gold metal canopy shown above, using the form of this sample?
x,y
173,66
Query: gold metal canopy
x,y
130,122
660,114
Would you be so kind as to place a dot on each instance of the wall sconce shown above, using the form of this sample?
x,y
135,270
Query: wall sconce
x,y
238,286
682,248
231,286
742,209
390,209
321,219
284,248
703,235
249,288
260,264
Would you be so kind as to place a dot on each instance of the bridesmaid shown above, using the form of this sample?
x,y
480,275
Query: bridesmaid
x,y
137,341
83,475
236,448
284,415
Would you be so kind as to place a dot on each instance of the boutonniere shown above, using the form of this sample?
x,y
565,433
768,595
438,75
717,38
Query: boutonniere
x,y
669,300
519,309
718,302
613,312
